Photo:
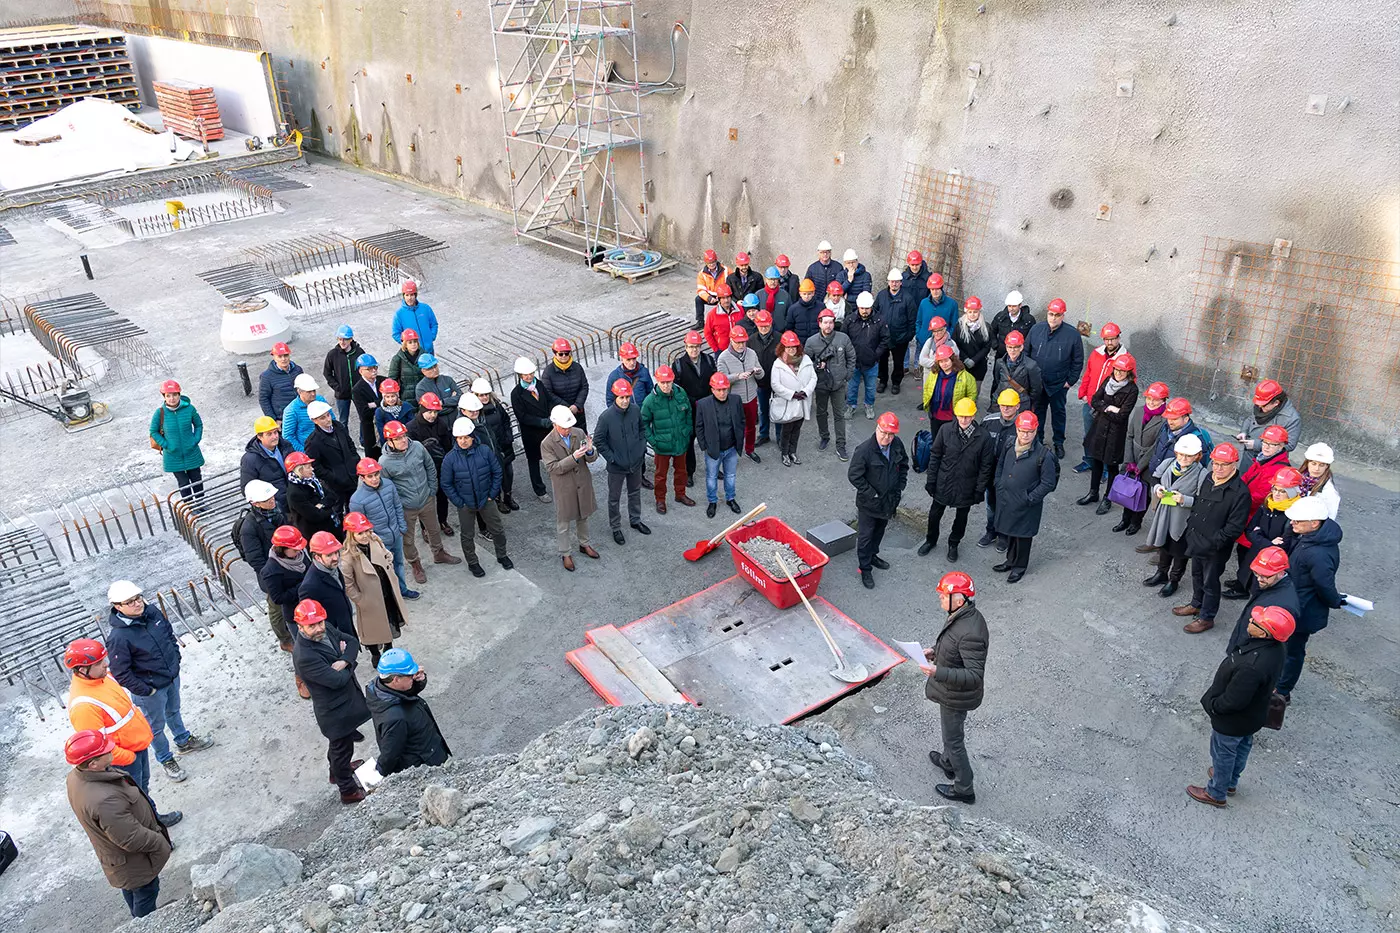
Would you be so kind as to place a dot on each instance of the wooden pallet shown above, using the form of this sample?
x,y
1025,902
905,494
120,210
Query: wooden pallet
x,y
633,277
183,104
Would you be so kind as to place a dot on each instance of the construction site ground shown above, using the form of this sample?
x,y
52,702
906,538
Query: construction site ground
x,y
1091,727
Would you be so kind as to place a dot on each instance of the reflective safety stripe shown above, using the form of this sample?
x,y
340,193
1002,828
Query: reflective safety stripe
x,y
117,720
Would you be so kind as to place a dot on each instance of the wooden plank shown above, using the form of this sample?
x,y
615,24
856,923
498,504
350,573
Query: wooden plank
x,y
637,668
604,677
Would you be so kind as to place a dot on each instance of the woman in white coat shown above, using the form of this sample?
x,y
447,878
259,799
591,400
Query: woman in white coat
x,y
793,380
1317,477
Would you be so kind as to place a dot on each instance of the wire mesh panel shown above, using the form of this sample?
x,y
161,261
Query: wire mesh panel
x,y
1325,325
944,215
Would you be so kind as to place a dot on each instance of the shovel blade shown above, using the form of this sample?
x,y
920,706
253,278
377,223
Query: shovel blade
x,y
700,550
851,675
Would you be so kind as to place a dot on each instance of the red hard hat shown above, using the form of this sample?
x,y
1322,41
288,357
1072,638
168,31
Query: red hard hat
x,y
1287,478
742,259
622,387
367,466
956,581
288,536
1027,421
693,338
170,385
1057,306
973,302
935,281
1270,561
83,652
357,521
628,351
86,745
390,385
1266,391
1109,330
826,314
295,459
737,332
938,324
410,287
789,339
1158,390
1178,407
323,542
944,352
719,381
1225,453
724,291
308,611
782,262
430,401
1276,434
889,421
1275,620
1125,361
562,346
281,349
763,317
394,430
835,289
711,256
1015,339
664,374
407,334
914,257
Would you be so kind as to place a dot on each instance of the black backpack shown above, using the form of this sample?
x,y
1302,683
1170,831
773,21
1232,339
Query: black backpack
x,y
238,533
923,450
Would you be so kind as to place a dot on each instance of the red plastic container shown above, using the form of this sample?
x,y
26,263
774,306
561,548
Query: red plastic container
x,y
778,592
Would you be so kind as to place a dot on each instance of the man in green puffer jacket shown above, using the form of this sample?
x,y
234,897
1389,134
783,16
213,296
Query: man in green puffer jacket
x,y
668,422
176,430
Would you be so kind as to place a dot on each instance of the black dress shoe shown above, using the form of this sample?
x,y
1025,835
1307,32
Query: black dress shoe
x,y
867,580
1002,567
761,441
755,458
733,505
617,536
1059,451
1015,576
710,510
938,759
1132,530
894,389
1157,579
1169,589
1122,523
880,388
946,791
879,563
477,570
1103,508
1087,499
926,547
641,528
952,552
690,481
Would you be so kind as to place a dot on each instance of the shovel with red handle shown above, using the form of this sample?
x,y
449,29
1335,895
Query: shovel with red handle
x,y
704,547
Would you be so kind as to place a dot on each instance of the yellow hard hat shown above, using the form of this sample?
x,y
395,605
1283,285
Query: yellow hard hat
x,y
264,424
965,408
1008,397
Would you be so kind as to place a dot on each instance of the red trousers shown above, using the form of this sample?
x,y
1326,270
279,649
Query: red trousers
x,y
663,463
750,425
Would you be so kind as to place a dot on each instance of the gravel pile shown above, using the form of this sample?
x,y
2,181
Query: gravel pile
x,y
766,551
649,820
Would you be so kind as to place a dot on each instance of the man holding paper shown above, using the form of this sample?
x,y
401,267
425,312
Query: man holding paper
x,y
959,659
1313,566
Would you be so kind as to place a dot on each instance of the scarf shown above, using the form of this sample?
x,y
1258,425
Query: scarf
x,y
772,298
1276,505
392,409
332,572
1149,413
1112,386
940,403
967,431
1309,481
967,329
562,367
1261,418
297,565
313,482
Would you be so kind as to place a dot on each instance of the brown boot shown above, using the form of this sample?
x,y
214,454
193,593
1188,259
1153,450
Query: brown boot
x,y
1197,626
301,689
1186,610
419,574
440,556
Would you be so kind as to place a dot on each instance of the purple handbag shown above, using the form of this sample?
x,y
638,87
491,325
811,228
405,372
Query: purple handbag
x,y
1128,491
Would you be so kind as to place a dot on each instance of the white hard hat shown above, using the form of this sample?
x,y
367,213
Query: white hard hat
x,y
1188,444
849,256
122,590
471,403
895,276
481,386
259,490
1014,300
865,300
562,417
823,246
316,409
463,427
1319,452
524,367
305,383
1307,509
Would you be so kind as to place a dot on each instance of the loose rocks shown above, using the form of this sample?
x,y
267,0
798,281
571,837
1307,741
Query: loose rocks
x,y
766,551
245,871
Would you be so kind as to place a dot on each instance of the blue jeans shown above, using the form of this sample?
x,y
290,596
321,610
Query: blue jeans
x,y
162,708
395,545
765,396
1088,413
1054,399
729,459
1293,662
342,411
142,901
140,771
1228,755
853,384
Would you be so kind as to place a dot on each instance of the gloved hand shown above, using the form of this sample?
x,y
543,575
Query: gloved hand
x,y
800,396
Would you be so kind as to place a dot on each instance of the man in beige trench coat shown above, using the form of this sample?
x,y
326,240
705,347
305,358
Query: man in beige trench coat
x,y
566,453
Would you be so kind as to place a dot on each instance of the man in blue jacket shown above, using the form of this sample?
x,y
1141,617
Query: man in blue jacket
x,y
296,422
377,498
145,659
1059,352
417,316
936,304
1313,566
471,476
275,385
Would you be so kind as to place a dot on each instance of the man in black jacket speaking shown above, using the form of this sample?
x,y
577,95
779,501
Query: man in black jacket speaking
x,y
959,659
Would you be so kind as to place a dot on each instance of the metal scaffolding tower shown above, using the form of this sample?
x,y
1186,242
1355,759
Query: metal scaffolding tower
x,y
568,119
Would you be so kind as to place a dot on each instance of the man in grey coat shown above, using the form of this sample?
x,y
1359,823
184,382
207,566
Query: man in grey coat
x,y
410,467
1271,406
619,439
959,659
834,357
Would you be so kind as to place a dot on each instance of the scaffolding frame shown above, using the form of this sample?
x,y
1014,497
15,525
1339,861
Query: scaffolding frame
x,y
567,117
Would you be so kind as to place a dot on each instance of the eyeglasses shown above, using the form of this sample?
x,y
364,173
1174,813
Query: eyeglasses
x,y
138,598
563,353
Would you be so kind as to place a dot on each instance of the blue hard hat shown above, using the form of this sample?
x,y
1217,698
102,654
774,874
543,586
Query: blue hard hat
x,y
397,661
366,360
344,332
750,300
772,272
427,361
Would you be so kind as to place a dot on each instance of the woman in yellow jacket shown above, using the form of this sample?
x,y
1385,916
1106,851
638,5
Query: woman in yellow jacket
x,y
945,385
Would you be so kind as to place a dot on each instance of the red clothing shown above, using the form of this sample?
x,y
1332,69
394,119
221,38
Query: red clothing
x,y
770,298
1096,371
750,425
718,324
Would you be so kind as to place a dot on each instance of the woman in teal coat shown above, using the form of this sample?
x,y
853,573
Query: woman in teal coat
x,y
176,430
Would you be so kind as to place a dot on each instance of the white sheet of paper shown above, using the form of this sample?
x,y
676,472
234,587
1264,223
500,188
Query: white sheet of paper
x,y
915,651
367,774
1365,605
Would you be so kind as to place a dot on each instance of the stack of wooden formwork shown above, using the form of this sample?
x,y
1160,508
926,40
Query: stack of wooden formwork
x,y
45,68
189,109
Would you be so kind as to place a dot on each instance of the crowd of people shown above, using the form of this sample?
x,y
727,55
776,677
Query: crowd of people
x,y
334,518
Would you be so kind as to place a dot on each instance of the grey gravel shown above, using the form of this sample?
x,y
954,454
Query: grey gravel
x,y
766,551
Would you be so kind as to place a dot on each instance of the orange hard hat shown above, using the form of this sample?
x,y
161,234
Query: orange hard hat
x,y
622,387
308,611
